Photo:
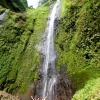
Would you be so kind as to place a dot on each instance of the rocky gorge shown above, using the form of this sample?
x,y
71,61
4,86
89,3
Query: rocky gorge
x,y
76,39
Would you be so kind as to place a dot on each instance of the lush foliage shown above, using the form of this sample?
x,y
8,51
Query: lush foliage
x,y
19,58
77,42
14,5
78,45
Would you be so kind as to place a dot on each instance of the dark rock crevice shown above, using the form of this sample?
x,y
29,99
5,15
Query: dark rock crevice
x,y
63,88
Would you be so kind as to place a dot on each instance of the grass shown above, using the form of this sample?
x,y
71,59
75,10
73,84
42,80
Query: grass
x,y
91,91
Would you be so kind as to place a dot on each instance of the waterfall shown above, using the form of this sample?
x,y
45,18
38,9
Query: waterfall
x,y
47,69
2,17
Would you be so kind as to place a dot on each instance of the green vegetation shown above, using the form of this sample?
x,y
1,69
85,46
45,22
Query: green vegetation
x,y
78,45
19,58
91,91
14,5
77,42
1,10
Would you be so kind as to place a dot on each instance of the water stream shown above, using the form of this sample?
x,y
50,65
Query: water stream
x,y
48,69
2,17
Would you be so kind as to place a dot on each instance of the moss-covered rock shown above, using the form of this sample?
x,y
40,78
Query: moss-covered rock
x,y
19,58
78,41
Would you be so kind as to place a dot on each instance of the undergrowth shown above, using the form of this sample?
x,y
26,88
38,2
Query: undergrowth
x,y
19,58
78,45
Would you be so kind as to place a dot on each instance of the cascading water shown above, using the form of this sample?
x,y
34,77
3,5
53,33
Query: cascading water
x,y
2,17
47,69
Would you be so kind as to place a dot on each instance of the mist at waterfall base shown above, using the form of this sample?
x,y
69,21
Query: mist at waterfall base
x,y
48,77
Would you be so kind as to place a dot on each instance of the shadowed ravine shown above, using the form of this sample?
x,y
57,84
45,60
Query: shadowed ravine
x,y
49,79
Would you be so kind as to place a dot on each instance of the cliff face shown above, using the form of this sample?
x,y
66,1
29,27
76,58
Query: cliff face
x,y
19,59
77,42
78,45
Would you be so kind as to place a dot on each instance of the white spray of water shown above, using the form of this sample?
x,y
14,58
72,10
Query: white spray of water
x,y
50,54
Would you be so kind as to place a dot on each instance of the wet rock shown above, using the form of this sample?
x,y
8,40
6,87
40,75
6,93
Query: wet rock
x,y
56,24
57,86
63,88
